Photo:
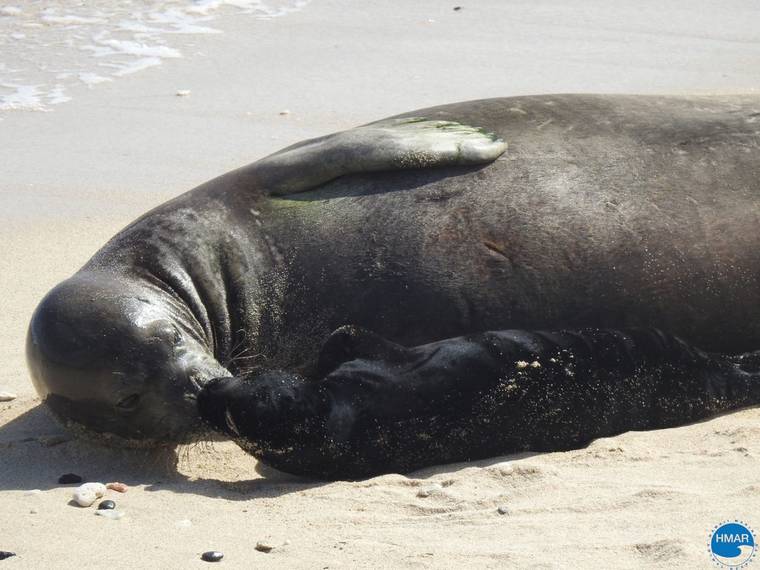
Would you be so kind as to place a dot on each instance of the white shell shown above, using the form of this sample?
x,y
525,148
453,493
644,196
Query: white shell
x,y
84,497
98,488
7,396
431,489
86,494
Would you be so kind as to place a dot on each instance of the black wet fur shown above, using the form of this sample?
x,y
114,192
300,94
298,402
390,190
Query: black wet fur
x,y
378,407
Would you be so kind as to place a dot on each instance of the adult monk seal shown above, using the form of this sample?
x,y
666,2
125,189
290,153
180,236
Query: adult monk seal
x,y
607,218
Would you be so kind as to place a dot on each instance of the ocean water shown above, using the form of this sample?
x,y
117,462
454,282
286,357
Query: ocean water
x,y
47,47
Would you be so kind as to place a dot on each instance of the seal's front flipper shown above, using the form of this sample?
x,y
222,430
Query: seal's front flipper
x,y
392,144
350,342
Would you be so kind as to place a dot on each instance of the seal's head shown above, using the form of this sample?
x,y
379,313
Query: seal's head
x,y
119,360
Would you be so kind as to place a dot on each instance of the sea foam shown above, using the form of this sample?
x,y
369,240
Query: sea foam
x,y
48,48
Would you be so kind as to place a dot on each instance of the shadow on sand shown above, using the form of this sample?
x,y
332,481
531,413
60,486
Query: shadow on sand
x,y
36,451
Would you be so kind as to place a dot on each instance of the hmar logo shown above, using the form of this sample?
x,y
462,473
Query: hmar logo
x,y
732,544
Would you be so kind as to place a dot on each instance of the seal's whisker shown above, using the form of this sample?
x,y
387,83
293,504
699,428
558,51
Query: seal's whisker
x,y
240,354
239,358
238,344
242,365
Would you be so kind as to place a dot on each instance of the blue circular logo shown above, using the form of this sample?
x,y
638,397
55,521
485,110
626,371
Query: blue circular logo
x,y
732,544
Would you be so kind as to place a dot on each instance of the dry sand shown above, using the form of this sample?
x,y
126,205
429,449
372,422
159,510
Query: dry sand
x,y
72,177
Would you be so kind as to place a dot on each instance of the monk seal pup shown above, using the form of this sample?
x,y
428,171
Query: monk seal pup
x,y
607,213
376,407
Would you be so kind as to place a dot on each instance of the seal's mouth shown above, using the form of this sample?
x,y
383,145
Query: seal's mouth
x,y
140,419
131,423
199,377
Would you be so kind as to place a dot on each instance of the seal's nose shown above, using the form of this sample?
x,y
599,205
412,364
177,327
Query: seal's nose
x,y
213,398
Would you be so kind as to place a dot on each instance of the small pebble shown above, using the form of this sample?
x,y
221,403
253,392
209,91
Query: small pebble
x,y
114,515
5,554
264,547
212,556
285,112
503,510
457,8
7,396
106,505
429,490
69,479
182,93
184,523
118,487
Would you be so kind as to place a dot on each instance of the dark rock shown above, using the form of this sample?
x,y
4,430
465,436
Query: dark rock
x,y
106,505
69,479
457,8
212,556
4,554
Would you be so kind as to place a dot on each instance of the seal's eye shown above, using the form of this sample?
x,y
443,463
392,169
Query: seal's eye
x,y
129,403
163,332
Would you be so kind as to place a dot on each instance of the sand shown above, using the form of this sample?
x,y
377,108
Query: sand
x,y
72,176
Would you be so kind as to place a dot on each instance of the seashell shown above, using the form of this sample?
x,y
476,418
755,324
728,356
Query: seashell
x,y
432,489
98,488
118,487
7,396
84,497
86,494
